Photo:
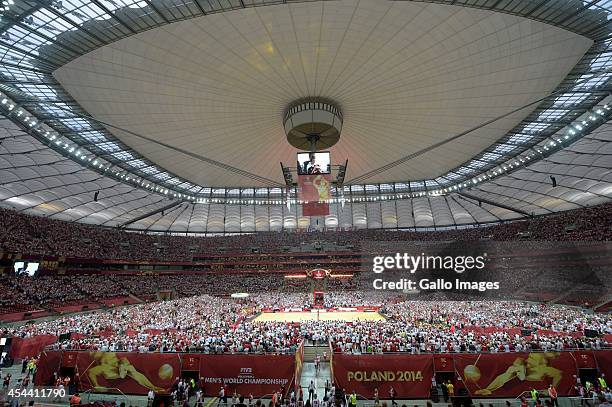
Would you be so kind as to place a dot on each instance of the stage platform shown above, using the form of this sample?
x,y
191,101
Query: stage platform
x,y
318,316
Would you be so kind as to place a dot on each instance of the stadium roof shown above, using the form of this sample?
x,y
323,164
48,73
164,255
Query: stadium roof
x,y
115,93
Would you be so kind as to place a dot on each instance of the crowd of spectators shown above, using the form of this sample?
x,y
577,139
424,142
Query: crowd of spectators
x,y
202,317
418,326
584,284
34,235
49,292
217,325
343,299
463,326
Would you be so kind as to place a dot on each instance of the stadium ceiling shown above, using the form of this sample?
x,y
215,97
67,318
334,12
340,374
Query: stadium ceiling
x,y
216,81
40,181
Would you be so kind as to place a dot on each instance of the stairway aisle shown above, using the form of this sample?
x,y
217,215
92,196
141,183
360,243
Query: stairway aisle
x,y
308,374
311,351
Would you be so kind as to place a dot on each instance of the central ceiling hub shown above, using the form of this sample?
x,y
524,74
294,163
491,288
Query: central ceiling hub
x,y
313,124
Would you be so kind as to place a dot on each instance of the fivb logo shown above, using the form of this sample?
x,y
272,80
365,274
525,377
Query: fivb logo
x,y
246,372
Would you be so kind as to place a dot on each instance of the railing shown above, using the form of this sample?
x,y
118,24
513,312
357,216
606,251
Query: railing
x,y
324,342
583,401
365,402
527,394
55,349
450,352
497,403
115,396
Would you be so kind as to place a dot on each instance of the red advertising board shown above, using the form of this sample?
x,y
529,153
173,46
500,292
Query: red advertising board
x,y
510,374
247,374
48,364
410,375
585,359
190,362
132,373
604,362
299,362
484,375
69,359
30,347
444,363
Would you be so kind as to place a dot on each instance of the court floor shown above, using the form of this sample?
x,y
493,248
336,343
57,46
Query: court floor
x,y
318,316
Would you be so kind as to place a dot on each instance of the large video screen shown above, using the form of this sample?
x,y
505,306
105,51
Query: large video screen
x,y
25,268
313,163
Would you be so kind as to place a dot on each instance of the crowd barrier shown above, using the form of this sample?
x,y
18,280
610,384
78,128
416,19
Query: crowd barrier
x,y
481,375
137,373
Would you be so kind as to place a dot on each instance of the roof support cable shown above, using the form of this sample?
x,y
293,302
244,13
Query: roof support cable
x,y
207,160
361,178
493,203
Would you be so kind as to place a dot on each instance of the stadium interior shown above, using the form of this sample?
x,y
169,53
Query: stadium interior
x,y
306,203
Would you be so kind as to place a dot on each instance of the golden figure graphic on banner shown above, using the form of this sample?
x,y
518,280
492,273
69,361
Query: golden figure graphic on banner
x,y
322,186
113,368
534,369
